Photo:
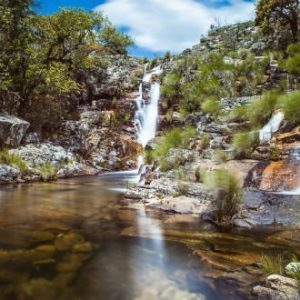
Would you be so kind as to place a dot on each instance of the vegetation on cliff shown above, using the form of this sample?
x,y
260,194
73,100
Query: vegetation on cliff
x,y
41,57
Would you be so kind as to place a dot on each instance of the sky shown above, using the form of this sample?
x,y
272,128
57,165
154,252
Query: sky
x,y
160,25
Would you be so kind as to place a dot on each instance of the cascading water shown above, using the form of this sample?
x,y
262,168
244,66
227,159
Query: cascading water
x,y
145,119
265,134
147,114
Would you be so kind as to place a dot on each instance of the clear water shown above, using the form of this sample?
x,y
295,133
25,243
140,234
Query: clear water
x,y
79,239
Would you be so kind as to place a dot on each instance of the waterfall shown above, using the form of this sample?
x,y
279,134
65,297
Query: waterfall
x,y
147,114
265,134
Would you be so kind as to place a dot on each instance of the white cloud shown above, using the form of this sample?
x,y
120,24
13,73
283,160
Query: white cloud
x,y
175,25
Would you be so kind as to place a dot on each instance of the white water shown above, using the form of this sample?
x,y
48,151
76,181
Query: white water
x,y
147,114
265,134
146,120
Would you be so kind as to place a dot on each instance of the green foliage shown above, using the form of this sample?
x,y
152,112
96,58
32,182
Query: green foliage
x,y
260,111
40,56
249,74
270,12
228,194
205,140
245,142
220,156
292,63
13,160
171,89
148,156
272,265
174,138
48,171
275,154
208,83
212,107
290,105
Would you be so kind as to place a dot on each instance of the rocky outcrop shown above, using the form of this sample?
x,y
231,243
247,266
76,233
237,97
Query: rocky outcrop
x,y
39,154
12,130
8,174
277,287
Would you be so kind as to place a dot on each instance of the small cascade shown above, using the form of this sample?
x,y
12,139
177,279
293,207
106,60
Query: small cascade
x,y
147,114
265,134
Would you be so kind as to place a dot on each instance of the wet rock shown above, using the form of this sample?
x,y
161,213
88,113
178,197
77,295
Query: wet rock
x,y
12,130
65,242
292,267
76,169
83,247
278,287
182,205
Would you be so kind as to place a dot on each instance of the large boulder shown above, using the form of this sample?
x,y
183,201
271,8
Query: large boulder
x,y
39,154
278,288
12,130
8,174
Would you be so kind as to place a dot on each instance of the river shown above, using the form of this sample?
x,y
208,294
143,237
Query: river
x,y
78,239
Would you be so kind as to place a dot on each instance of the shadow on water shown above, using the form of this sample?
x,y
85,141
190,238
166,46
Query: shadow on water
x,y
75,239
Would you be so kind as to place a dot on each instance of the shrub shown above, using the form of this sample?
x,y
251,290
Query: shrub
x,y
174,138
220,156
260,111
148,156
245,142
290,104
205,139
13,160
182,189
212,107
292,64
272,265
48,171
228,194
275,154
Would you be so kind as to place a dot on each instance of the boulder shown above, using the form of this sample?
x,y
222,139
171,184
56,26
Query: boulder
x,y
76,169
277,288
12,130
39,154
8,174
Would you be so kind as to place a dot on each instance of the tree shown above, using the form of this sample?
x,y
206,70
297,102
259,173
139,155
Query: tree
x,y
269,12
41,55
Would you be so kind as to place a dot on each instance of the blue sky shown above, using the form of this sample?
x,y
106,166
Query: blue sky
x,y
161,25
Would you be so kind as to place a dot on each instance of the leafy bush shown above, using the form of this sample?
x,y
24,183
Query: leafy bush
x,y
228,194
272,265
148,156
174,138
245,142
48,171
292,64
13,160
212,107
290,105
205,139
220,156
275,154
260,111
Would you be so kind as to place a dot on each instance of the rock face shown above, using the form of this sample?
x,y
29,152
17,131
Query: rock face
x,y
278,287
39,154
12,130
8,174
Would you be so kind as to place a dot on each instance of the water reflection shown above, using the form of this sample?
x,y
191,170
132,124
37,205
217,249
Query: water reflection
x,y
73,239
